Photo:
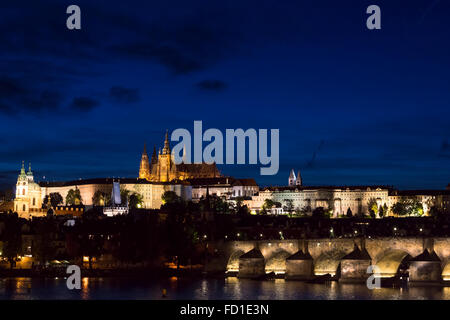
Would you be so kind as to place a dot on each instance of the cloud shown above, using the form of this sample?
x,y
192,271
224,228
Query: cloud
x,y
169,56
21,97
84,104
124,95
212,85
10,88
182,46
18,97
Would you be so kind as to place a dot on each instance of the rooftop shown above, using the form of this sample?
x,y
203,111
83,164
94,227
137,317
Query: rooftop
x,y
108,181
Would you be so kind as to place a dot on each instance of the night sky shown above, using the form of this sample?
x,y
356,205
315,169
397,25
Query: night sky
x,y
353,106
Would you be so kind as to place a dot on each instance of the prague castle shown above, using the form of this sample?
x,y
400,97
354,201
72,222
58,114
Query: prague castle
x,y
157,176
194,181
162,167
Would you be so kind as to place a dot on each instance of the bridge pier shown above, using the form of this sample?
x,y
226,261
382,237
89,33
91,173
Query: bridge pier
x,y
252,264
354,265
307,258
299,266
425,269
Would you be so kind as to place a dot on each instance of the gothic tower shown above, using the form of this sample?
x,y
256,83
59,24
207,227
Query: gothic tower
x,y
166,149
144,167
165,164
154,160
292,178
298,181
164,169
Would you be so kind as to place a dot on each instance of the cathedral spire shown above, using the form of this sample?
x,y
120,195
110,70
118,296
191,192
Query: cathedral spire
x,y
144,167
154,156
22,171
166,149
145,149
29,169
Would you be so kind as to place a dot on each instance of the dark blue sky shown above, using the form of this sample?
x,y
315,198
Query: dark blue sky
x,y
353,106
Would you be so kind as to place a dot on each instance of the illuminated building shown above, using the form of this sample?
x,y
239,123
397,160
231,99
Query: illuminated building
x,y
162,167
339,199
28,194
225,187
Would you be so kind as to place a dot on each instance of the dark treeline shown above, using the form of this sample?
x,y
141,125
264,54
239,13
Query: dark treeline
x,y
178,234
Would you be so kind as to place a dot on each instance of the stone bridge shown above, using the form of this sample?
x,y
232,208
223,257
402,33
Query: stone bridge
x,y
327,254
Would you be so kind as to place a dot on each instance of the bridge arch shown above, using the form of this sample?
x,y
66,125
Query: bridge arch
x,y
233,260
446,270
390,260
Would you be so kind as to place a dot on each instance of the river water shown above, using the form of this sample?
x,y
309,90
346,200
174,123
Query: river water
x,y
230,288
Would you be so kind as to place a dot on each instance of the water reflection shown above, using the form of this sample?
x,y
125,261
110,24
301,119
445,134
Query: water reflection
x,y
229,288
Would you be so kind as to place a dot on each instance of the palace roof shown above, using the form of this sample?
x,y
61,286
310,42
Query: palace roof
x,y
330,188
108,181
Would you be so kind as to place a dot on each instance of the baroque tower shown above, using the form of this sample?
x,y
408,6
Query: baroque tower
x,y
28,200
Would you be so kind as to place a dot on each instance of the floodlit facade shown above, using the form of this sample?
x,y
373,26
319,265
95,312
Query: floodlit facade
x,y
30,195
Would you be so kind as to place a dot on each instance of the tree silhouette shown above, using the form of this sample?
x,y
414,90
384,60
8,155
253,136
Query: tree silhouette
x,y
349,212
100,198
53,200
12,238
74,197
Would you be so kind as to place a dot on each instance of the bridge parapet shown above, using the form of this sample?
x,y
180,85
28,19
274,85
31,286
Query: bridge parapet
x,y
387,253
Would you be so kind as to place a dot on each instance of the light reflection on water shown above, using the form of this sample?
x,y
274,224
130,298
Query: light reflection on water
x,y
230,288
